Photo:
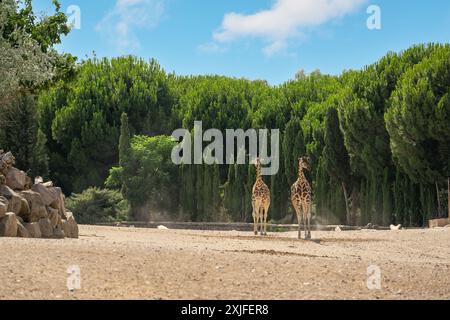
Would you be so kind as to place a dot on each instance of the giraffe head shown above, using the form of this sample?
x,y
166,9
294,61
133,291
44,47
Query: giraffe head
x,y
303,163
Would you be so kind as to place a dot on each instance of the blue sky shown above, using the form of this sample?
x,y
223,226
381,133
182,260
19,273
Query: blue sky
x,y
254,39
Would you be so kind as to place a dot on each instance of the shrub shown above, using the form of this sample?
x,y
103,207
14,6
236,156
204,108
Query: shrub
x,y
96,205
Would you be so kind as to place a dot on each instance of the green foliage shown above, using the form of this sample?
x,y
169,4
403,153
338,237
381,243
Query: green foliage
x,y
124,139
82,118
377,138
149,177
21,135
96,205
419,117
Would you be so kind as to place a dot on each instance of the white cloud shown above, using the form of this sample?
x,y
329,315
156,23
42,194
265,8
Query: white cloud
x,y
286,19
120,24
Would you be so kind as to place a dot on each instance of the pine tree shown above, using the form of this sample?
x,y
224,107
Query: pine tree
x,y
124,139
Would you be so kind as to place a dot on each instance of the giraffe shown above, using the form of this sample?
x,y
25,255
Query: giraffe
x,y
301,198
260,201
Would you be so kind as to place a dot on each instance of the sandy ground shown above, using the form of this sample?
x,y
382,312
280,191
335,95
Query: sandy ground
x,y
131,263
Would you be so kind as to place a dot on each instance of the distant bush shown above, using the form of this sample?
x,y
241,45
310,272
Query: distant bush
x,y
96,205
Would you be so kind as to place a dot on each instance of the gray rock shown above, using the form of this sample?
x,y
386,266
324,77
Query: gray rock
x,y
46,228
8,225
22,232
50,196
36,204
72,226
3,206
33,229
58,233
16,179
14,200
53,215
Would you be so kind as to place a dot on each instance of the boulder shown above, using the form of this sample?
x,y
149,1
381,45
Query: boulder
x,y
8,225
33,229
14,200
51,196
24,209
65,225
71,226
22,232
7,160
3,206
16,179
62,206
58,233
53,215
46,228
37,207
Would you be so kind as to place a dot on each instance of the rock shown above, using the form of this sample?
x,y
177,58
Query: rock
x,y
395,228
16,179
53,215
72,226
33,229
24,209
22,232
19,220
48,184
162,228
50,196
46,228
338,229
37,207
14,200
65,225
8,225
62,206
3,206
7,160
58,233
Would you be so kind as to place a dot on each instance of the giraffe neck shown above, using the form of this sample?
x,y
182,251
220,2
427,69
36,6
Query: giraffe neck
x,y
301,174
258,172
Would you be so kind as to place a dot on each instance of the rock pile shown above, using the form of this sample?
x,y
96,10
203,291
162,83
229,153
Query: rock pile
x,y
31,210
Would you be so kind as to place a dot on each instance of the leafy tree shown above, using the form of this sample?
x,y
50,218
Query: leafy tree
x,y
82,118
96,205
124,139
150,177
336,159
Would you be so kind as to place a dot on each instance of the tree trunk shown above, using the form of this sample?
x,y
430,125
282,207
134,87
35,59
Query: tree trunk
x,y
346,203
438,201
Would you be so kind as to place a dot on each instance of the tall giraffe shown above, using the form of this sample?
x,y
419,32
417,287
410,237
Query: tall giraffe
x,y
260,201
301,199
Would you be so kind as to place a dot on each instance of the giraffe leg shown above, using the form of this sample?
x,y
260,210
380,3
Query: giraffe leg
x,y
304,222
309,221
309,226
306,218
266,210
261,217
299,219
255,223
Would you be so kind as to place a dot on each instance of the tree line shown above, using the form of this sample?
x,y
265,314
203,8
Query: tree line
x,y
378,138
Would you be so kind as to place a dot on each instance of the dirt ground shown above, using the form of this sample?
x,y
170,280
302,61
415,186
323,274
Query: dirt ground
x,y
132,263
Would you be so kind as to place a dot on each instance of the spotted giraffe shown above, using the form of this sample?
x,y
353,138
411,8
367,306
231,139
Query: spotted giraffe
x,y
301,199
260,201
